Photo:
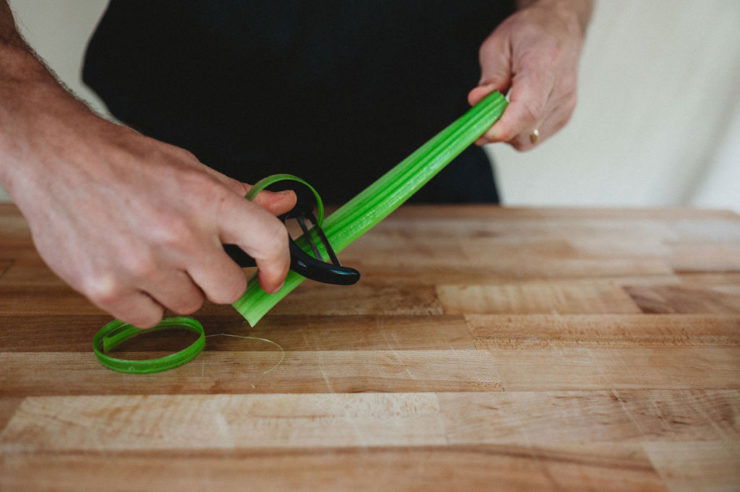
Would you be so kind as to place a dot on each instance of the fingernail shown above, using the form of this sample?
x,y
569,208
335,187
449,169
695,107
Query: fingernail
x,y
274,291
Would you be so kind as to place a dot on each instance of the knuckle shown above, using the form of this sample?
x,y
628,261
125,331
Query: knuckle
x,y
154,152
139,265
230,292
234,295
275,238
280,243
103,290
172,232
488,50
183,154
507,134
197,184
145,320
518,145
190,306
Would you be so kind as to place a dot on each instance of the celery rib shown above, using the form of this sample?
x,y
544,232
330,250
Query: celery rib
x,y
382,197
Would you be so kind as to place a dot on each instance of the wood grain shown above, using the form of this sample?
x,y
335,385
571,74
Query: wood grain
x,y
516,349
699,465
450,467
535,298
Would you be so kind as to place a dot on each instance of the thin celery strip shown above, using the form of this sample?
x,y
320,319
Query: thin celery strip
x,y
385,195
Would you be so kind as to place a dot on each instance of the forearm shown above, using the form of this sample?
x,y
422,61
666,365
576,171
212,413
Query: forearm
x,y
581,9
30,96
19,66
8,31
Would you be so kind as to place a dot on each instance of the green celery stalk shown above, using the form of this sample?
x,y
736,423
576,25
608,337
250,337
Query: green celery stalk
x,y
385,195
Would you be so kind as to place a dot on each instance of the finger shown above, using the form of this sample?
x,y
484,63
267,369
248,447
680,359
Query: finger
x,y
277,203
134,307
259,234
558,112
478,93
232,184
527,108
220,279
495,66
553,123
176,291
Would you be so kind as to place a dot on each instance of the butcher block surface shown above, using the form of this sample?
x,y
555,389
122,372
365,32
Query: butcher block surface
x,y
484,348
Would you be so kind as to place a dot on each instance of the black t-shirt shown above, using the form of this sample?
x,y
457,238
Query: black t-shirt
x,y
336,92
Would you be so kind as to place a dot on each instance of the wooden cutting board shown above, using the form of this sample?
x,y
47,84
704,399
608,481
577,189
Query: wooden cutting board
x,y
532,349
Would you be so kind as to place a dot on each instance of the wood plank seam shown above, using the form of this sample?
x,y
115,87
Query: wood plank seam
x,y
7,268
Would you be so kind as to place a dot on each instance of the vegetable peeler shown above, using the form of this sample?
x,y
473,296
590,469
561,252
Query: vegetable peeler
x,y
311,267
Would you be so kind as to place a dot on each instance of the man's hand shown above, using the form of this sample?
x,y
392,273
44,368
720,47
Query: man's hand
x,y
137,225
535,54
134,224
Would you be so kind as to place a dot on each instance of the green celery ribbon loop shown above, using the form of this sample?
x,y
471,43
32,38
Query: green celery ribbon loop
x,y
116,332
275,178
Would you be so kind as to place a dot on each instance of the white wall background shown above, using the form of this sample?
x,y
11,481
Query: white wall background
x,y
658,121
59,30
660,89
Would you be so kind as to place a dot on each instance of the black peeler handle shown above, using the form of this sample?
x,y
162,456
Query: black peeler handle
x,y
301,262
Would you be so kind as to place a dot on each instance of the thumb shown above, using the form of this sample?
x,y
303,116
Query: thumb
x,y
495,67
275,202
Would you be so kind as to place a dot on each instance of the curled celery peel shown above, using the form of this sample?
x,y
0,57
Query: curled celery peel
x,y
269,180
377,201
